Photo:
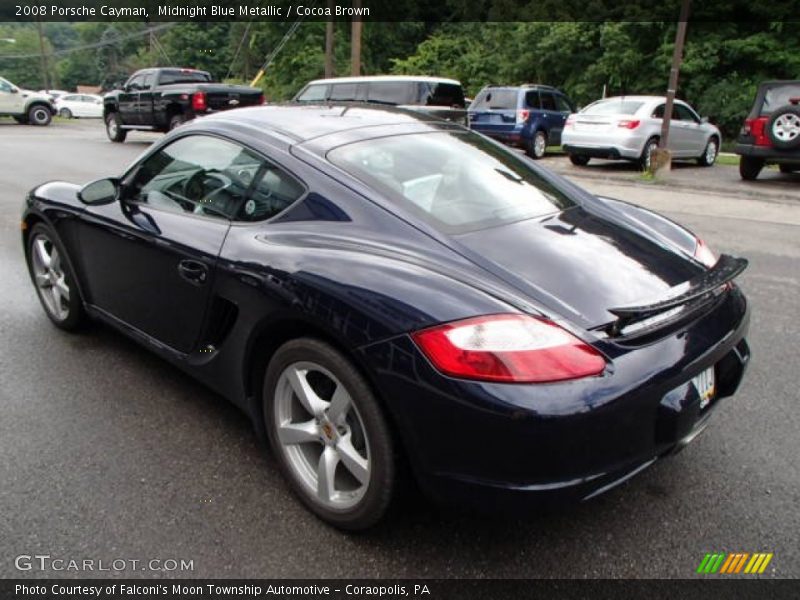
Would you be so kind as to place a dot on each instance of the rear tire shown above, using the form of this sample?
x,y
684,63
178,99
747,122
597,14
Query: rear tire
x,y
176,121
52,276
331,439
579,160
647,153
750,167
709,156
114,129
789,168
39,115
537,146
21,120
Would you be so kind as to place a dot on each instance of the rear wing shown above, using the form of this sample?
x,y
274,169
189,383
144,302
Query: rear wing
x,y
703,287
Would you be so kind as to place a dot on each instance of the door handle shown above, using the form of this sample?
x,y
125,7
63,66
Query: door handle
x,y
193,271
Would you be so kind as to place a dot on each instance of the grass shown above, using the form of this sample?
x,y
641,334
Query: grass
x,y
728,160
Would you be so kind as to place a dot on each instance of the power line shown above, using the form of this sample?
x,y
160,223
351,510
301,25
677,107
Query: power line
x,y
112,42
239,48
277,49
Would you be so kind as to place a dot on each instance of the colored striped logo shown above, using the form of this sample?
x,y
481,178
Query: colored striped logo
x,y
734,563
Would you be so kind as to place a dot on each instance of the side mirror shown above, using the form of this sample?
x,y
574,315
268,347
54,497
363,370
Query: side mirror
x,y
102,191
704,119
15,90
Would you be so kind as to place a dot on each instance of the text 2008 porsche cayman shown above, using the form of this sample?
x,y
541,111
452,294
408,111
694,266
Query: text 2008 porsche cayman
x,y
378,288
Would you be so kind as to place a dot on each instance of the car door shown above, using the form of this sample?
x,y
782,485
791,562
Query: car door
x,y
551,117
149,258
129,99
144,106
691,128
9,100
71,103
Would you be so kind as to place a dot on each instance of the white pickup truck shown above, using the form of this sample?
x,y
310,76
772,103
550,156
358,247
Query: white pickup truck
x,y
24,105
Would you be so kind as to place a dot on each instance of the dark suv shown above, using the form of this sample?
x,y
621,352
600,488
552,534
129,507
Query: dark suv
x,y
771,132
529,116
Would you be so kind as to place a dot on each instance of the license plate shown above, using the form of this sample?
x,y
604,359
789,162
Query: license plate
x,y
705,386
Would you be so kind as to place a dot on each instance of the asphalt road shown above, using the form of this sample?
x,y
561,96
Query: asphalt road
x,y
106,452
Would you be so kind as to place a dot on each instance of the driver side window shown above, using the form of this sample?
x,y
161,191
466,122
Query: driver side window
x,y
197,174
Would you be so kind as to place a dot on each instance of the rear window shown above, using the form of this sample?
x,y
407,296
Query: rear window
x,y
497,99
613,106
455,181
779,96
178,76
443,94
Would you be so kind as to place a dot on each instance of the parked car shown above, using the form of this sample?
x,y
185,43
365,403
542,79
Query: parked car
x,y
443,98
80,105
161,99
378,287
530,116
25,106
629,128
771,131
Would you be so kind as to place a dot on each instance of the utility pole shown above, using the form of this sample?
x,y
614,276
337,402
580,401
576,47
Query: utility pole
x,y
329,32
355,43
662,158
45,69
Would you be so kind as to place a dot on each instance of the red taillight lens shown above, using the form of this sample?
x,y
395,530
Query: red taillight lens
x,y
629,123
757,128
570,121
199,101
508,348
262,99
522,115
704,254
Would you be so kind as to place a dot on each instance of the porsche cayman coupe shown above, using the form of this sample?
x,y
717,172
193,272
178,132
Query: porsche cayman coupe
x,y
385,292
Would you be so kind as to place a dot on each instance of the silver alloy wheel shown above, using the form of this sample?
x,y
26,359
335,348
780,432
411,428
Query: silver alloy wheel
x,y
48,273
111,127
711,152
539,145
40,115
786,127
321,435
648,156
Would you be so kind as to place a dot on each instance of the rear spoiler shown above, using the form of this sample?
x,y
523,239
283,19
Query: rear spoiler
x,y
703,287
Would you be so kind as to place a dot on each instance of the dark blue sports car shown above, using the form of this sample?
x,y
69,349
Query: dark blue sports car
x,y
384,292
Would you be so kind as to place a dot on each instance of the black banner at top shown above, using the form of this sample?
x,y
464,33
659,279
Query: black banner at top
x,y
397,10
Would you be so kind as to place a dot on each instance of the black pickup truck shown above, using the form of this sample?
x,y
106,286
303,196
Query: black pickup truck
x,y
161,99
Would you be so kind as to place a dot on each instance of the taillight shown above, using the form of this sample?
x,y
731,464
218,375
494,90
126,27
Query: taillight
x,y
262,99
628,123
199,101
509,348
570,121
704,254
522,115
757,128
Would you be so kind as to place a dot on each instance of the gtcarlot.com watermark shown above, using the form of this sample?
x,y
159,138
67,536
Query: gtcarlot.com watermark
x,y
47,563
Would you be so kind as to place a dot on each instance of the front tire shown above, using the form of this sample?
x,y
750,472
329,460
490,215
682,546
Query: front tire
x,y
647,153
114,129
328,434
538,145
709,156
750,167
579,160
40,115
65,113
53,279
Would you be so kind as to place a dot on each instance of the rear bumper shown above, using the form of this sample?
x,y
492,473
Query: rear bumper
x,y
512,137
768,153
623,144
485,445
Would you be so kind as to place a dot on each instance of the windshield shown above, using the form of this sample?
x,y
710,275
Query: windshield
x,y
457,182
613,106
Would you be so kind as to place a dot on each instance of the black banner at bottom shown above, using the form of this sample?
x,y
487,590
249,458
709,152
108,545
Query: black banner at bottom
x,y
396,589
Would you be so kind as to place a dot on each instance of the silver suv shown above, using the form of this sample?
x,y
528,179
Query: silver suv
x,y
629,127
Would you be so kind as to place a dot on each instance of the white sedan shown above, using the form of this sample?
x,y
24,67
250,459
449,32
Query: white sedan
x,y
80,105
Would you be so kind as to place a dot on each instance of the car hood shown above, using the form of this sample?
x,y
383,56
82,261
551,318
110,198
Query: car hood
x,y
578,263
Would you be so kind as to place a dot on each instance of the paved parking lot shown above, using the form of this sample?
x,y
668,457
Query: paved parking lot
x,y
107,452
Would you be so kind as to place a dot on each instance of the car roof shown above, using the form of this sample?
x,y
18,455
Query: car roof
x,y
640,98
524,86
303,122
376,78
